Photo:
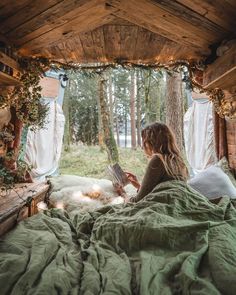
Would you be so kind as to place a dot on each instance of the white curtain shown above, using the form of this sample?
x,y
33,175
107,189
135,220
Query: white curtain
x,y
43,147
199,135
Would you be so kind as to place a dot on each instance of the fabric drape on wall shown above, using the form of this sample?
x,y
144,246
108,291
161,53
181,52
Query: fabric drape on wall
x,y
43,147
220,137
199,135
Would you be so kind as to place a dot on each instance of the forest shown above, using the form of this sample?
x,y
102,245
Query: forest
x,y
110,108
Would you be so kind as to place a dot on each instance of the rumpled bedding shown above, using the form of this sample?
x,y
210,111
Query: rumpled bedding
x,y
174,241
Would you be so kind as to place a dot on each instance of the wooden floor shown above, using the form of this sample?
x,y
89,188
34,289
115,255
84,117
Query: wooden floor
x,y
19,203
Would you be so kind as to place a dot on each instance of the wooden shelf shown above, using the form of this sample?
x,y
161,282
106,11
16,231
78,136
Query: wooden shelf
x,y
7,80
222,72
225,81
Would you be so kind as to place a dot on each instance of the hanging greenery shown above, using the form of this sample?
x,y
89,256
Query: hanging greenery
x,y
26,98
8,178
29,110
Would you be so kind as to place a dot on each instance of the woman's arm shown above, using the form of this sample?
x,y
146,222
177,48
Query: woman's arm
x,y
152,177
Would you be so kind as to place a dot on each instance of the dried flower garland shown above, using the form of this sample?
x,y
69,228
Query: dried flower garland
x,y
224,107
27,98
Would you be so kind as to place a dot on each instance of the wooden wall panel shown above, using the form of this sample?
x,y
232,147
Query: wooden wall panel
x,y
128,39
99,44
112,39
88,46
142,42
231,141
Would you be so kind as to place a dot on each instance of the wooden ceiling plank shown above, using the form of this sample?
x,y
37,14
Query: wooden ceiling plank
x,y
161,19
85,22
11,7
142,49
112,42
31,11
72,48
88,46
232,3
220,12
190,16
48,52
77,49
120,22
54,17
63,50
172,51
128,42
99,43
51,52
147,24
156,44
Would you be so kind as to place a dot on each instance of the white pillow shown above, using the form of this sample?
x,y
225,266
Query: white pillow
x,y
213,183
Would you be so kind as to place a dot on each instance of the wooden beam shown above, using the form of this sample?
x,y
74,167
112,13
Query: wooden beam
x,y
220,12
30,10
158,20
53,17
190,16
222,73
7,80
11,7
85,21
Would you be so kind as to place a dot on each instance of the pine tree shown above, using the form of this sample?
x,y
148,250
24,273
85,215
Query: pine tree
x,y
138,108
109,139
174,107
132,111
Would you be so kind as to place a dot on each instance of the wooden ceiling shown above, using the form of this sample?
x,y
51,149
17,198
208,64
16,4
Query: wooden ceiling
x,y
86,31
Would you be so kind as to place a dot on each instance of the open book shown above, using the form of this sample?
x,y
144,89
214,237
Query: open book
x,y
117,175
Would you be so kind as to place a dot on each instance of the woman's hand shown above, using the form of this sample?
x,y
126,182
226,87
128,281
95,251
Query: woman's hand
x,y
133,179
119,189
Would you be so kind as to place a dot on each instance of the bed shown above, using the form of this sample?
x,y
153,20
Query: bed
x,y
174,241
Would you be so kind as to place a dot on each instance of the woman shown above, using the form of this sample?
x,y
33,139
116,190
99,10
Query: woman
x,y
165,162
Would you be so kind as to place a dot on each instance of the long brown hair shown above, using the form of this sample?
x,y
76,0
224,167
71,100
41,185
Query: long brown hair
x,y
161,141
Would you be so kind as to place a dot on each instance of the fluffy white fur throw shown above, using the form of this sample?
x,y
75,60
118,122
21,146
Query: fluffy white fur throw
x,y
70,192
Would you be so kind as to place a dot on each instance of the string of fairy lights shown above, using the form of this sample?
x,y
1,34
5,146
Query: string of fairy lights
x,y
33,69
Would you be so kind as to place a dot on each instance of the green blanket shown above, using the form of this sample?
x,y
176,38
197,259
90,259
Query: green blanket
x,y
172,242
